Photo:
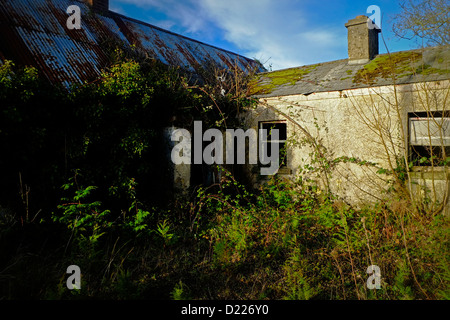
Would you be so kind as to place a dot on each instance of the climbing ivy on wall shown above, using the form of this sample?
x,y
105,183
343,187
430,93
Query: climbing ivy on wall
x,y
109,129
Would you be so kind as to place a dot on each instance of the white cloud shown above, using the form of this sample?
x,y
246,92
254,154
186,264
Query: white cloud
x,y
116,8
185,13
278,30
258,27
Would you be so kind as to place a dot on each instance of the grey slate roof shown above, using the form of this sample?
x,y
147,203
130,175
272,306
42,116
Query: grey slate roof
x,y
428,64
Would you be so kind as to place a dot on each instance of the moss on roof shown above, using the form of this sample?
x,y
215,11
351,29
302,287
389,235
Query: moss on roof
x,y
427,64
274,79
399,64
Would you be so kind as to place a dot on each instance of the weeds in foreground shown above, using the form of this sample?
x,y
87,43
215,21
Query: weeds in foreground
x,y
282,241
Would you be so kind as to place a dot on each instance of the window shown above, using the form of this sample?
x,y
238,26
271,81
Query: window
x,y
429,138
269,142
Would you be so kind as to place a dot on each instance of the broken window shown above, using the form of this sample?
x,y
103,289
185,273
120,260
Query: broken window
x,y
270,142
429,138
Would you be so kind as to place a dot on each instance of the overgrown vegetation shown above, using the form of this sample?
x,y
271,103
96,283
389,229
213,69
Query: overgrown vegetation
x,y
83,182
426,21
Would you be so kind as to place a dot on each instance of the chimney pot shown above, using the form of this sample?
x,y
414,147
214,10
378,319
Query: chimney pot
x,y
362,40
99,5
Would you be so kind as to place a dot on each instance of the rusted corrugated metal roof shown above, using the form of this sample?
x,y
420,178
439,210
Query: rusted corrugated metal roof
x,y
34,32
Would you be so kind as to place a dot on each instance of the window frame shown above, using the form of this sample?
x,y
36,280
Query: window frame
x,y
417,150
261,143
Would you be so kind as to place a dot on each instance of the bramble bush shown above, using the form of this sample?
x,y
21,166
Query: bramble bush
x,y
86,157
291,242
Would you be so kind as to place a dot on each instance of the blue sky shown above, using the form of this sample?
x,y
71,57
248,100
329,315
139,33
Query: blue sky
x,y
280,33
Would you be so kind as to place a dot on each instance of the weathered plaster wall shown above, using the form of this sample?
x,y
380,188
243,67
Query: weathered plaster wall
x,y
368,124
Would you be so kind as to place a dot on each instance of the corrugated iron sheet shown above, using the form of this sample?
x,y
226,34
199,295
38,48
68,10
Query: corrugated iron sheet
x,y
34,32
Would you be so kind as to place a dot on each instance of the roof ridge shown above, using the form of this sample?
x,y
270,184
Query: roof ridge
x,y
173,33
430,64
337,60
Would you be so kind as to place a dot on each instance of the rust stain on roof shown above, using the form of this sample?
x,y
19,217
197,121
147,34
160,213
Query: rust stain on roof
x,y
34,32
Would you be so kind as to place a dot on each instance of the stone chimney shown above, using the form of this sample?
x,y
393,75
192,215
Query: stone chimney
x,y
362,40
99,5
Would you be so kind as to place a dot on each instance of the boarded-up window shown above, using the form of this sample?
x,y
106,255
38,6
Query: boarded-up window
x,y
429,131
429,138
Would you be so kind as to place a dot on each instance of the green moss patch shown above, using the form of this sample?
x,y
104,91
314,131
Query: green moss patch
x,y
387,66
267,82
398,65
